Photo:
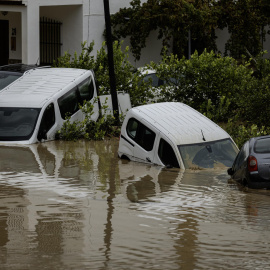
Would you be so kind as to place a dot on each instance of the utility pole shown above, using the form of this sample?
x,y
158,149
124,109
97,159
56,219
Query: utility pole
x,y
110,60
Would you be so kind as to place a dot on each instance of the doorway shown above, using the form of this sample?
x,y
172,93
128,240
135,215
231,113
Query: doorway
x,y
4,42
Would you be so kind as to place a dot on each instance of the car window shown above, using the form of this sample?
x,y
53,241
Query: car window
x,y
141,134
69,103
154,79
262,145
246,150
132,127
240,159
86,90
242,156
7,78
47,121
166,154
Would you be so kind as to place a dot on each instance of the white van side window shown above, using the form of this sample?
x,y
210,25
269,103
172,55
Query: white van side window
x,y
132,127
47,121
141,134
166,154
69,103
86,89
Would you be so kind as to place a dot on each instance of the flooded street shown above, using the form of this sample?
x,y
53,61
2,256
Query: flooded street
x,y
75,205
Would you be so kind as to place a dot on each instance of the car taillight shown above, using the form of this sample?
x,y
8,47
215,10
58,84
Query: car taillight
x,y
252,164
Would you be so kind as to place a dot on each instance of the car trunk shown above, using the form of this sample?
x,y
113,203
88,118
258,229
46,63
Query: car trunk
x,y
264,166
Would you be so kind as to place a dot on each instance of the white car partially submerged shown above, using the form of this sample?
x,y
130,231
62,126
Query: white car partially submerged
x,y
173,134
34,107
159,88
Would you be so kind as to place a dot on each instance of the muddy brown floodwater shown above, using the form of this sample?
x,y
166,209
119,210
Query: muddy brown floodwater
x,y
75,205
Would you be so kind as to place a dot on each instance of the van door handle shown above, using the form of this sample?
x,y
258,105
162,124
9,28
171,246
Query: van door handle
x,y
148,159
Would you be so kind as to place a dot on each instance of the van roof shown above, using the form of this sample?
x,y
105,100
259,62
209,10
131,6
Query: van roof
x,y
180,123
36,86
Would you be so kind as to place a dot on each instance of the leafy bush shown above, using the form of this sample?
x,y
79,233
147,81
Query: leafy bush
x,y
205,81
223,89
241,133
89,129
127,77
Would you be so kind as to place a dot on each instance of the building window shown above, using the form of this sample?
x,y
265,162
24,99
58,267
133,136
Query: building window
x,y
50,41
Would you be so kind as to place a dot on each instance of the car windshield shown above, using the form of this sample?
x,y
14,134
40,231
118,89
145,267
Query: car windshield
x,y
17,124
7,78
153,79
208,154
262,145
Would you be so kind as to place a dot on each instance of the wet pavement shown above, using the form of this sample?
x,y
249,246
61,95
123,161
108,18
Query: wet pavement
x,y
75,205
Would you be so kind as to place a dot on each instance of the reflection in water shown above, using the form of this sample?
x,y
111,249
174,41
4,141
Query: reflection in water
x,y
75,205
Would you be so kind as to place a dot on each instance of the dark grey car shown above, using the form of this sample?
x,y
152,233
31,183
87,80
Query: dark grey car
x,y
252,164
10,73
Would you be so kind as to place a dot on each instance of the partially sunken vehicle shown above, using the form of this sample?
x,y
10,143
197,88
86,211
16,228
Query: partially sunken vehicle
x,y
10,73
252,164
173,134
34,107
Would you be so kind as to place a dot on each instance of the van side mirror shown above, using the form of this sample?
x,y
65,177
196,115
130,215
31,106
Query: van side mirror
x,y
230,171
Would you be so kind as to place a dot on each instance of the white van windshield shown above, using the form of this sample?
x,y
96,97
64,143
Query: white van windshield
x,y
17,124
208,154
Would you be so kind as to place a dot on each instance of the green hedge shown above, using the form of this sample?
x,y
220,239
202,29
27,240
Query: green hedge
x,y
225,90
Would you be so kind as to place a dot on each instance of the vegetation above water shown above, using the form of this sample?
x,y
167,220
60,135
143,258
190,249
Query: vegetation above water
x,y
234,94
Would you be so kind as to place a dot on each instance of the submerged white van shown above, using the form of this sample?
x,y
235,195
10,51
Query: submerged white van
x,y
34,107
173,134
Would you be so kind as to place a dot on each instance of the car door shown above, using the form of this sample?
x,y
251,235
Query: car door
x,y
167,154
48,120
143,137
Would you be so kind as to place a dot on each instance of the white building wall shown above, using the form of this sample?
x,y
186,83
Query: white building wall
x,y
83,20
224,35
31,21
222,38
266,43
94,25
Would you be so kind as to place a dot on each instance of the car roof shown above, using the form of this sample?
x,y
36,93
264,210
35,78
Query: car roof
x,y
37,86
179,122
146,71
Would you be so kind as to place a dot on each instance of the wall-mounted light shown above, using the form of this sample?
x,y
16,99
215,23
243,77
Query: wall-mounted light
x,y
4,13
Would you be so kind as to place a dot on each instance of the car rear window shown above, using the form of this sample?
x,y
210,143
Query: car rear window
x,y
262,145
